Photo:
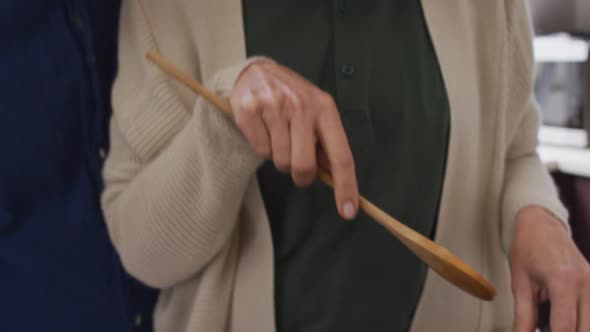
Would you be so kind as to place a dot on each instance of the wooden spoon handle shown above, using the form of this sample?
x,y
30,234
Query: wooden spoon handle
x,y
437,257
441,260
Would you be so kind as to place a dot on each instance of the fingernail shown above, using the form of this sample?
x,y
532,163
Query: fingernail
x,y
348,210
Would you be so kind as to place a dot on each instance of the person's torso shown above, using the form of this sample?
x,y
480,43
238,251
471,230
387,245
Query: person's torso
x,y
59,269
377,60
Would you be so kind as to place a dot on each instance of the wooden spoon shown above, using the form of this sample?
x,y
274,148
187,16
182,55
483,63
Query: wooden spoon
x,y
438,258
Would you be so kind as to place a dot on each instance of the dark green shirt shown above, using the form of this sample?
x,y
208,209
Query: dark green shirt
x,y
377,60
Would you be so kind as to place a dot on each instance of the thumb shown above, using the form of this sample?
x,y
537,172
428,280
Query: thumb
x,y
525,307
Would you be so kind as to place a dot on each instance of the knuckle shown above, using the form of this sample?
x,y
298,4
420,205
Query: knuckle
x,y
277,93
297,109
265,99
344,161
273,98
295,99
567,276
304,170
249,107
262,150
562,275
282,163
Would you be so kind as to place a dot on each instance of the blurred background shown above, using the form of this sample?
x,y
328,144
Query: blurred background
x,y
562,87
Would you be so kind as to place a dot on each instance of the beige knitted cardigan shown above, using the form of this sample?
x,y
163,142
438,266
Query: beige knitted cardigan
x,y
183,205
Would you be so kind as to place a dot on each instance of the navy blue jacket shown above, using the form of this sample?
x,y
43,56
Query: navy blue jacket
x,y
58,269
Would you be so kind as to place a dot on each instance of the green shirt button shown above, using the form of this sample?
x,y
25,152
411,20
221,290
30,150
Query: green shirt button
x,y
347,70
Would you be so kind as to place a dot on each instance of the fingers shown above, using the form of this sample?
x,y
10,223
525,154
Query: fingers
x,y
277,124
548,257
563,294
525,307
303,149
286,117
249,120
335,144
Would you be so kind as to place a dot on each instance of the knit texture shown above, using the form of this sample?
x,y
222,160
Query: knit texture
x,y
183,205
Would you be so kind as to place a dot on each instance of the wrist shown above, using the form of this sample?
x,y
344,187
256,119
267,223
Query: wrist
x,y
533,214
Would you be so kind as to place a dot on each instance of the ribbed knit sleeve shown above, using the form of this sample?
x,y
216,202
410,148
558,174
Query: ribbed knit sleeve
x,y
177,170
527,181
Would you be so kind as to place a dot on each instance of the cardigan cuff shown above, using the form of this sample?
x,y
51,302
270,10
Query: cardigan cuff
x,y
222,84
225,80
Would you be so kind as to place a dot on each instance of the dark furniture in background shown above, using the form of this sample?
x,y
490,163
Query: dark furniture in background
x,y
575,194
